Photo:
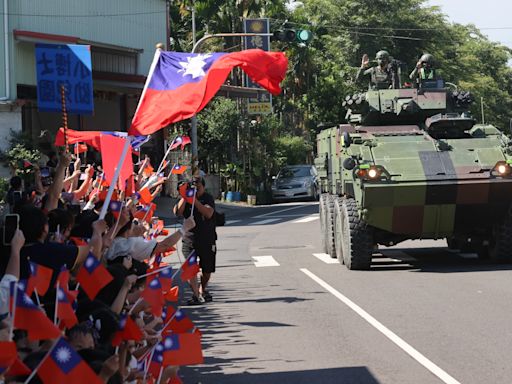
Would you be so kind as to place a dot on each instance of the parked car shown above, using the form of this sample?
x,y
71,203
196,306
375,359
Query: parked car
x,y
295,182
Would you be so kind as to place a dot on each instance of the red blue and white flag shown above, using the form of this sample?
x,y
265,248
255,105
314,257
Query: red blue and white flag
x,y
181,84
187,192
64,365
190,268
180,141
65,310
178,169
93,276
182,349
40,278
116,207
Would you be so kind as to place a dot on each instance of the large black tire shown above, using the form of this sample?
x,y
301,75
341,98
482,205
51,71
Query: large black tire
x,y
357,240
329,226
338,229
500,246
321,210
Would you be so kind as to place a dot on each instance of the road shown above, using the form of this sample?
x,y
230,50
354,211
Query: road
x,y
285,313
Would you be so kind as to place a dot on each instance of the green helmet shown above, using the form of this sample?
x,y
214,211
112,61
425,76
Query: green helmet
x,y
427,58
382,55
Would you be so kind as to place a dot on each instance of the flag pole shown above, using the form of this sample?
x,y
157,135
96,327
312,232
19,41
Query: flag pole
x,y
128,140
113,182
41,362
64,115
154,272
165,156
160,374
193,203
56,304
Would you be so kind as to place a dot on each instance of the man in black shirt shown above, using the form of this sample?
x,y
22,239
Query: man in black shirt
x,y
201,239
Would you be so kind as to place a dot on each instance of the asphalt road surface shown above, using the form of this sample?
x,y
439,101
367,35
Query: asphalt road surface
x,y
285,313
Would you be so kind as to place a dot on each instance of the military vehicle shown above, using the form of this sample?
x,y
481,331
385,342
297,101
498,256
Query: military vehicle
x,y
413,164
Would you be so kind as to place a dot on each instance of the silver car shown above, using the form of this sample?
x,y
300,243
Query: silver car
x,y
295,182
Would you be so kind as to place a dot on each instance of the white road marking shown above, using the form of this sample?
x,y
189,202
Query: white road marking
x,y
263,222
276,212
429,365
327,259
307,219
265,261
228,222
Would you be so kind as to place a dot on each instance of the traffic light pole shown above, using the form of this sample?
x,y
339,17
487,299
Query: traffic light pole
x,y
193,121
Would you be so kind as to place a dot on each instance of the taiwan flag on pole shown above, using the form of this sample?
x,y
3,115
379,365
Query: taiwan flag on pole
x,y
128,330
8,355
65,310
40,278
93,276
182,349
190,268
181,84
180,323
64,365
178,169
187,192
31,318
180,140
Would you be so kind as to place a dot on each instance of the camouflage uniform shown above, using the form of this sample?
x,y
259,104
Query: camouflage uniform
x,y
424,69
382,76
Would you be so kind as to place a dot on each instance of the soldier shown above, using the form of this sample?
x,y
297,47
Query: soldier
x,y
382,76
424,69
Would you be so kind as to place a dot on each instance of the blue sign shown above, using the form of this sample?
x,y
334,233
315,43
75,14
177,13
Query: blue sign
x,y
69,66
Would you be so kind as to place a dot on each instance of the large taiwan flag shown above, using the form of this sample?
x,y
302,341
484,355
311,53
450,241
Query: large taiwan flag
x,y
181,84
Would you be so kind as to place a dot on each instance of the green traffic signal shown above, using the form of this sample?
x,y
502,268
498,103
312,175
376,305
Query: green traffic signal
x,y
293,35
303,35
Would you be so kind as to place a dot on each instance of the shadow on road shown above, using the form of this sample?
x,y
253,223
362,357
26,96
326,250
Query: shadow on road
x,y
346,375
433,260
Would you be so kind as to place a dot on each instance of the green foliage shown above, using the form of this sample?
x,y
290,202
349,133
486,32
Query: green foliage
x,y
322,74
4,187
292,150
16,158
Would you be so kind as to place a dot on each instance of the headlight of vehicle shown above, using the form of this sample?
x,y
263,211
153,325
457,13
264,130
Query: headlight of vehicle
x,y
307,183
502,169
369,172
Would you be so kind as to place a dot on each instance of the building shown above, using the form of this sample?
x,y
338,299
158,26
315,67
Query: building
x,y
122,35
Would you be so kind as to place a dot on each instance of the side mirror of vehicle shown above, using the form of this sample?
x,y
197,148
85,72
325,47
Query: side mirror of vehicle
x,y
347,140
349,163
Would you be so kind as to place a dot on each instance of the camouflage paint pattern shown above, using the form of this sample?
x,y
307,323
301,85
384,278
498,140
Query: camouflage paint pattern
x,y
438,186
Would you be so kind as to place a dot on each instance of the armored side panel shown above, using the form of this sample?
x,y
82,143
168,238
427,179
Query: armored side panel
x,y
417,166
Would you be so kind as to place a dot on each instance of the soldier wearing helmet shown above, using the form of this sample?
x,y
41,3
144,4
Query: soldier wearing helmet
x,y
383,76
424,69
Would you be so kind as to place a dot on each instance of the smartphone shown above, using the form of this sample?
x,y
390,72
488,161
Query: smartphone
x,y
45,172
11,224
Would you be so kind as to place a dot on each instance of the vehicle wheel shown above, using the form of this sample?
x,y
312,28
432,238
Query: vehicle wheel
x,y
338,228
322,213
329,226
500,247
357,241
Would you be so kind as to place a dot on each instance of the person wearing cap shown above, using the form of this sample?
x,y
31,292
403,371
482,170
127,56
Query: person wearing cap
x,y
382,76
202,239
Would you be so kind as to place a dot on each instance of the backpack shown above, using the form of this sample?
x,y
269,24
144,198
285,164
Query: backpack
x,y
220,218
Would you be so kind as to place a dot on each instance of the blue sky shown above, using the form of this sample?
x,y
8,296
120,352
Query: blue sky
x,y
492,17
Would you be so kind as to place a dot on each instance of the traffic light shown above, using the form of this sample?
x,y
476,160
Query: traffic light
x,y
293,35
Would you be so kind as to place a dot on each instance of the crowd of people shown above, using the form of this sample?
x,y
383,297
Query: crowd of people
x,y
86,298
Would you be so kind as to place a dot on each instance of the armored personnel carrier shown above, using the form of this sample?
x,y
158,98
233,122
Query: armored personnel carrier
x,y
413,164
